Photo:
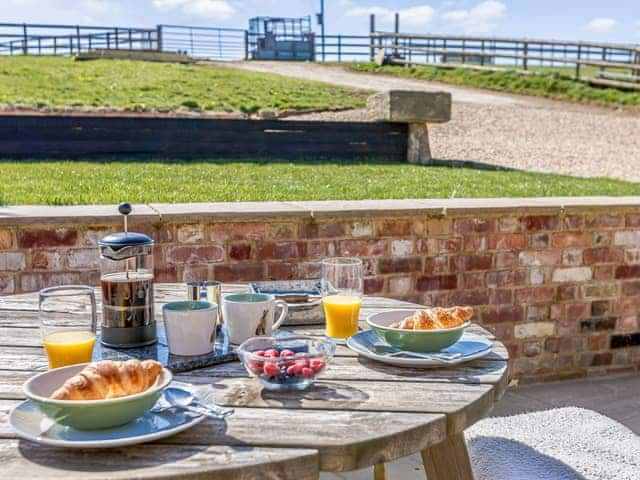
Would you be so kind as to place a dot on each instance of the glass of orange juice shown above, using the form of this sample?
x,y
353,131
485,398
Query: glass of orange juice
x,y
342,284
68,323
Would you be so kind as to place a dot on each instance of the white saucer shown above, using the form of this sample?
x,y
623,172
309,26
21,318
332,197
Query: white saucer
x,y
31,424
470,346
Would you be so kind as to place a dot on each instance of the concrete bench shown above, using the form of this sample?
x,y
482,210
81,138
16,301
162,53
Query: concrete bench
x,y
417,109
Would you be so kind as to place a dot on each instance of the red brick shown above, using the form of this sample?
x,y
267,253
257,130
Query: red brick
x,y
282,250
535,295
6,239
507,278
470,297
502,331
633,220
572,222
281,231
540,240
577,311
239,272
600,359
473,280
220,232
90,237
474,243
441,282
535,313
166,274
501,296
474,225
438,226
321,230
532,349
572,239
159,233
474,262
82,258
436,299
628,271
373,285
364,248
601,239
626,306
600,308
572,256
321,249
309,270
369,266
400,265
436,246
31,282
394,228
603,272
191,234
508,224
194,254
280,271
631,288
534,223
191,272
507,241
240,251
506,259
602,255
511,313
604,221
61,237
439,265
567,292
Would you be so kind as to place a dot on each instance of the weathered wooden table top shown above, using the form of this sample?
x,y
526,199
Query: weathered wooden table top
x,y
359,413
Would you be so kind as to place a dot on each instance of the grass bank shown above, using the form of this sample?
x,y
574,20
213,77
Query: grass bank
x,y
62,82
543,83
71,182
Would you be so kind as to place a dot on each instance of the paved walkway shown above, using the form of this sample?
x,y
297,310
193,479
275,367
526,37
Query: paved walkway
x,y
501,129
617,397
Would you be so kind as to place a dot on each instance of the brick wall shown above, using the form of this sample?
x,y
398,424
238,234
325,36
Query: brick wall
x,y
557,280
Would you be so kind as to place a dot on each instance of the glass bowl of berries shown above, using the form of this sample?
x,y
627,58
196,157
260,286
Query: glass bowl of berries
x,y
286,363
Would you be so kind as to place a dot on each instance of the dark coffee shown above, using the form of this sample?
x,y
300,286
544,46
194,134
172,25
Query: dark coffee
x,y
127,299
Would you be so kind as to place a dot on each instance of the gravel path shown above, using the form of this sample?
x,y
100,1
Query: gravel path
x,y
500,129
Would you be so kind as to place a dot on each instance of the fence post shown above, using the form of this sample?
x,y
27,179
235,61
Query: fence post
x,y
525,55
372,29
39,46
578,62
25,47
339,48
78,38
246,45
130,42
117,40
108,40
71,43
604,59
396,30
464,57
635,72
159,37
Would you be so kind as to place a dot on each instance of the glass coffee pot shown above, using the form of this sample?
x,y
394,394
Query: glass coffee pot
x,y
126,277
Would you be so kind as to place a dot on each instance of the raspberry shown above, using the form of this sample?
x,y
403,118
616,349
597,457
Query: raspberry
x,y
287,353
308,372
272,353
293,370
271,369
255,366
260,353
303,362
316,365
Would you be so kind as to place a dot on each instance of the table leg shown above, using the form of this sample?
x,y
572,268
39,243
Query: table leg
x,y
379,472
448,460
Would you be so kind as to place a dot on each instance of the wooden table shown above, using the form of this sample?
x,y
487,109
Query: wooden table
x,y
359,414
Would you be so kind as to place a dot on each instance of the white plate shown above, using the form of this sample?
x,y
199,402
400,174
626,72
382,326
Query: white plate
x,y
470,346
29,422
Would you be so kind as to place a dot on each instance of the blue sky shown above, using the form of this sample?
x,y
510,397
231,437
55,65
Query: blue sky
x,y
615,20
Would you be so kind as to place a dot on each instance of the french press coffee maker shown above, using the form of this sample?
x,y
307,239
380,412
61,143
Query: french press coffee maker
x,y
126,277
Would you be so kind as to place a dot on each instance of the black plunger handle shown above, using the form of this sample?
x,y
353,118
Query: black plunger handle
x,y
125,208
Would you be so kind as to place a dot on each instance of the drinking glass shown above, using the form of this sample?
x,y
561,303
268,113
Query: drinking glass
x,y
68,322
341,285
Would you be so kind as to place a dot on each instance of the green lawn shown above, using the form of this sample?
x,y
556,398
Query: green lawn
x,y
62,82
550,82
68,182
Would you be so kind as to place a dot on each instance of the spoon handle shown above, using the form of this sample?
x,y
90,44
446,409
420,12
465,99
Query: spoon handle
x,y
216,409
208,412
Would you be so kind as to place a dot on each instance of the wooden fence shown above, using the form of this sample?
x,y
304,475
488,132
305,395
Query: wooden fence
x,y
52,136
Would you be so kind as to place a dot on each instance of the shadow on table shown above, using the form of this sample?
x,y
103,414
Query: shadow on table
x,y
339,394
497,458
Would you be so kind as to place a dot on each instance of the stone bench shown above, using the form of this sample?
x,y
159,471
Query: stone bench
x,y
417,109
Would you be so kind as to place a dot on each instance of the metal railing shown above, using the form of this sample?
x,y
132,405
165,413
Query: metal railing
x,y
204,42
44,39
339,48
620,63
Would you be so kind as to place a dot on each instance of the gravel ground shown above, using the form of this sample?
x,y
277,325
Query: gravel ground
x,y
514,131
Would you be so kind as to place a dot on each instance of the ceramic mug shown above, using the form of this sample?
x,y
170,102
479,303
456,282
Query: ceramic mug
x,y
249,315
190,326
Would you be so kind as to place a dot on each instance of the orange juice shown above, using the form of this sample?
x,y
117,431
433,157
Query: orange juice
x,y
69,347
341,312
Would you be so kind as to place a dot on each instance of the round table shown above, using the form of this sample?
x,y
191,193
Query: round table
x,y
359,414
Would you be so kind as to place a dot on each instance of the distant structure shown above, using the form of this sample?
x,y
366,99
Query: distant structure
x,y
280,38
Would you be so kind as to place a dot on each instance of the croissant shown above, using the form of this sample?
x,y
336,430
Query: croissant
x,y
435,318
108,379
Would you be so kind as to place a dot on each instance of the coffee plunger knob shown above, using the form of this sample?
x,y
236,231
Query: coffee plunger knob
x,y
125,208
